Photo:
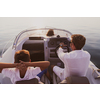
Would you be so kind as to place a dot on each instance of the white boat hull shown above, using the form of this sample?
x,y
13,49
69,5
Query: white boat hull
x,y
8,57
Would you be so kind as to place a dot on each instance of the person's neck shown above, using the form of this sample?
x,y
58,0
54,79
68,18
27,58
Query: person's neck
x,y
76,49
73,49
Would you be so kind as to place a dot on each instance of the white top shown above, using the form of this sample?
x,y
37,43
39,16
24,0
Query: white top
x,y
14,75
76,62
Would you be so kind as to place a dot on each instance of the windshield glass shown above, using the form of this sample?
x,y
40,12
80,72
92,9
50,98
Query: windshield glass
x,y
40,33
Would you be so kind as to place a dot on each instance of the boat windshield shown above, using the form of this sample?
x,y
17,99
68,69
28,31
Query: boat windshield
x,y
41,32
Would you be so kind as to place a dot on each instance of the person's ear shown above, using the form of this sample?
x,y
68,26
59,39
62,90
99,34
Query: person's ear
x,y
74,47
30,60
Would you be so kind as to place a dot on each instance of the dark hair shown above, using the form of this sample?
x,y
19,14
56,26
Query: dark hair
x,y
78,40
23,55
50,32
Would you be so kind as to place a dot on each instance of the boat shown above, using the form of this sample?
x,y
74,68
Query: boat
x,y
42,48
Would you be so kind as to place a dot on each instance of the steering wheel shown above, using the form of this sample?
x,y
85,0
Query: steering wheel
x,y
65,49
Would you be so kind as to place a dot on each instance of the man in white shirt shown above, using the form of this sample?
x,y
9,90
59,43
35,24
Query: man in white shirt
x,y
75,62
23,70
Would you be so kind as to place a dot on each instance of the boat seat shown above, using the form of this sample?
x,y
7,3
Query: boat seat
x,y
75,80
31,81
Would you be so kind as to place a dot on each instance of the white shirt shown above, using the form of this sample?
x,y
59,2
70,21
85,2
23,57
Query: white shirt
x,y
14,75
76,62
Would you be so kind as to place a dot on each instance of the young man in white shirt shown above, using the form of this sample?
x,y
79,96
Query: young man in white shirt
x,y
75,62
24,69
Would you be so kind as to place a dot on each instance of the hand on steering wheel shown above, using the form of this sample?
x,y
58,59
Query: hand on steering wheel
x,y
62,45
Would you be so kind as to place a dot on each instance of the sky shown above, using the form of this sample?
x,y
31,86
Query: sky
x,y
59,22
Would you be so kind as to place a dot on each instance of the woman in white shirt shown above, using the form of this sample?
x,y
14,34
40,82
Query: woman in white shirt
x,y
23,70
75,62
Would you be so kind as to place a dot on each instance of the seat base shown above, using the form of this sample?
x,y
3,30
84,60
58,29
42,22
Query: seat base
x,y
75,80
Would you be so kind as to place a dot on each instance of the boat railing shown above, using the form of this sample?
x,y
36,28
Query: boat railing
x,y
6,45
19,35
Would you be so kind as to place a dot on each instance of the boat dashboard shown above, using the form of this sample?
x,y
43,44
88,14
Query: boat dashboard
x,y
44,48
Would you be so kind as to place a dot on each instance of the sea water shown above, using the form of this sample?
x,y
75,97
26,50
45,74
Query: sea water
x,y
87,26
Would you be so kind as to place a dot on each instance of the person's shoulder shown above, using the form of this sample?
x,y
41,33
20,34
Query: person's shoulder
x,y
9,70
68,55
86,53
32,68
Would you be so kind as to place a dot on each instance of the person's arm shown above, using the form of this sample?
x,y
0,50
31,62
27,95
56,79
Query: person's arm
x,y
61,54
7,65
42,64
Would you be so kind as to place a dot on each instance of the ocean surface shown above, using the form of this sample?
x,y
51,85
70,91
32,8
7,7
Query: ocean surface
x,y
87,26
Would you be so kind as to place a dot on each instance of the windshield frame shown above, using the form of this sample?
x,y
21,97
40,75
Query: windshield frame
x,y
29,30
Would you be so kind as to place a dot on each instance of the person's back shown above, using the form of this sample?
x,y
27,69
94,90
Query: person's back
x,y
77,62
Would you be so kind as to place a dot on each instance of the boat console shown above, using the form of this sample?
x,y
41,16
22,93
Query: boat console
x,y
44,49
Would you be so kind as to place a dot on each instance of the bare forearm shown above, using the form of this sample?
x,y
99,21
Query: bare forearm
x,y
7,65
40,64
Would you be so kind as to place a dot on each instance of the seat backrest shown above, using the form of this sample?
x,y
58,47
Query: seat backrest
x,y
75,80
6,80
31,81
